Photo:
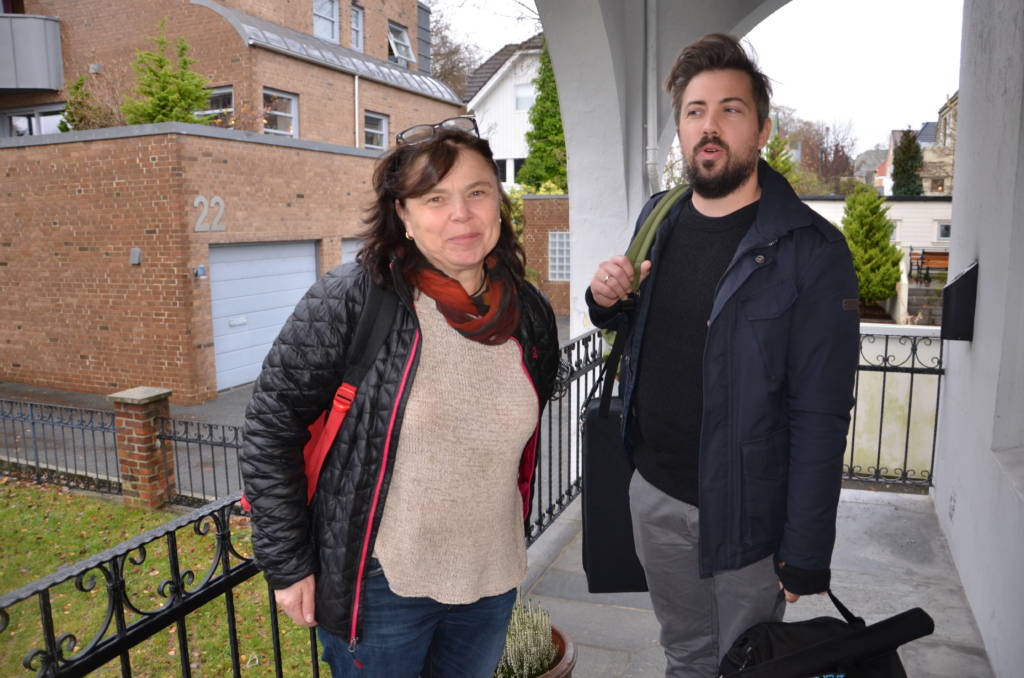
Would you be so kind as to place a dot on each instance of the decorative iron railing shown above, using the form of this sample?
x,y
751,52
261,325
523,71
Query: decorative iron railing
x,y
894,422
97,612
558,471
61,445
205,460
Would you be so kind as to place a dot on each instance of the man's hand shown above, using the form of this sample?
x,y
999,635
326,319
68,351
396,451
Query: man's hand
x,y
613,280
297,601
790,597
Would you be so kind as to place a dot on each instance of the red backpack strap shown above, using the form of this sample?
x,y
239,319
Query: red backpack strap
x,y
375,322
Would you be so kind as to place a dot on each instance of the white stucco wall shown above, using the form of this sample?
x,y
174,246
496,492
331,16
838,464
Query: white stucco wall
x,y
599,51
917,222
495,106
979,493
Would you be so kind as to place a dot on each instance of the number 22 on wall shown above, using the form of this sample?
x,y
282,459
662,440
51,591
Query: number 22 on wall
x,y
206,206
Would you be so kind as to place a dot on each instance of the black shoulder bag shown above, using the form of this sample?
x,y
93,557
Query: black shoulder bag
x,y
609,554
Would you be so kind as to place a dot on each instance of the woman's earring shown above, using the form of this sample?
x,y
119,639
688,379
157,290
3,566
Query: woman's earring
x,y
408,236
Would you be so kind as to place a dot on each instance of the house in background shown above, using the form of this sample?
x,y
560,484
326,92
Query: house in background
x,y
938,146
500,93
170,255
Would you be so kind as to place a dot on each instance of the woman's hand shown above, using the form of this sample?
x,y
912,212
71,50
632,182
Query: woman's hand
x,y
613,280
297,601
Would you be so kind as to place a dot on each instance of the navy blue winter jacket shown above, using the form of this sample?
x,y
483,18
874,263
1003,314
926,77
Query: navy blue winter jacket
x,y
779,365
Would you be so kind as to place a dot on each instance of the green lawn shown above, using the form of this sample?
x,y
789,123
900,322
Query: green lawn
x,y
45,528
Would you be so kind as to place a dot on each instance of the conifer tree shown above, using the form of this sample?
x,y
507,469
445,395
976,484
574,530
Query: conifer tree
x,y
546,159
907,162
166,93
868,232
82,111
777,155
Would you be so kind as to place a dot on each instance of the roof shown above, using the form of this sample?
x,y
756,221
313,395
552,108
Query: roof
x,y
277,38
485,71
928,133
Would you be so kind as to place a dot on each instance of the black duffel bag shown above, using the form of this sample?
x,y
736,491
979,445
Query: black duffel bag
x,y
825,647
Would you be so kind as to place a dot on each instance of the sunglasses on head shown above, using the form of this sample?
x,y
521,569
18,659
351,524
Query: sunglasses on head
x,y
417,134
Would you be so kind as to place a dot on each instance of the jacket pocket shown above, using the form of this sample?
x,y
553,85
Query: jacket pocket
x,y
765,468
767,315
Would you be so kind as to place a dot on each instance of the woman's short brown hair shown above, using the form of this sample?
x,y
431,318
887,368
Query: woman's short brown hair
x,y
400,175
718,52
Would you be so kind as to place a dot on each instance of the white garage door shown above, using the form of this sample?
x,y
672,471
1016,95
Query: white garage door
x,y
253,290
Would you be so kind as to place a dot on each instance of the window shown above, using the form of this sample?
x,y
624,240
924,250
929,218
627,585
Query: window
x,y
945,228
558,255
502,166
375,131
525,96
399,45
325,19
357,28
221,106
23,122
938,185
350,248
280,113
517,164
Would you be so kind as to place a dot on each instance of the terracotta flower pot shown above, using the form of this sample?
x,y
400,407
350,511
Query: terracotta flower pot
x,y
565,655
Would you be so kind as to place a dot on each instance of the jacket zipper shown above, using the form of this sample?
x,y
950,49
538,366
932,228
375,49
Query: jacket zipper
x,y
353,638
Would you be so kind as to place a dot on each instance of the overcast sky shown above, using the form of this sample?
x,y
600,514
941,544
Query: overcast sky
x,y
877,64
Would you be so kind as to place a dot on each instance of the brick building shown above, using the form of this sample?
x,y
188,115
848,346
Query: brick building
x,y
546,240
169,255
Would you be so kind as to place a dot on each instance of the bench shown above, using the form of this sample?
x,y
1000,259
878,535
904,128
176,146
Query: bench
x,y
925,263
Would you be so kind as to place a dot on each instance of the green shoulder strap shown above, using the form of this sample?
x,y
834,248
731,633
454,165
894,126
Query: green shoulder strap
x,y
640,247
641,244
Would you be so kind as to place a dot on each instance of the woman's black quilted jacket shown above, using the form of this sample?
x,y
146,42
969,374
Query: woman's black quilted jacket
x,y
329,537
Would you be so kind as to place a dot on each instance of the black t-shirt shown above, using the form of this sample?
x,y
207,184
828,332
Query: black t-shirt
x,y
668,398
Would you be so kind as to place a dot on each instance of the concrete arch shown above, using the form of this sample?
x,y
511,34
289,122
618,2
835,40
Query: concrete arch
x,y
608,56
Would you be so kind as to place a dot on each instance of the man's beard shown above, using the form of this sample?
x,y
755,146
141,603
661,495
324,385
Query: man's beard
x,y
736,170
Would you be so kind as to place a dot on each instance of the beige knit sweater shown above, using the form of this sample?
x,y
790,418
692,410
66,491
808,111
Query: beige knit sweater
x,y
452,527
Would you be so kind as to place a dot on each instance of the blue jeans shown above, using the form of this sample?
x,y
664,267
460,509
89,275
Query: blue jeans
x,y
409,637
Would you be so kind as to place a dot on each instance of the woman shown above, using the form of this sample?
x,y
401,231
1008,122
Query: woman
x,y
410,553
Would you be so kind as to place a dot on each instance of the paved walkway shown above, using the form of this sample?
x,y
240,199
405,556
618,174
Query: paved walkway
x,y
890,556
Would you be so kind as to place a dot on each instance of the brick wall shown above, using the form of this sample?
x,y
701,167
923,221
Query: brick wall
x,y
87,25
543,214
78,315
327,110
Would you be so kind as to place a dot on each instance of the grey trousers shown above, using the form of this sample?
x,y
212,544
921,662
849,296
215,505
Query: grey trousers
x,y
700,618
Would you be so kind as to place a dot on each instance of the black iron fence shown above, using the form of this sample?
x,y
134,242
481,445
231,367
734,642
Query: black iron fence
x,y
557,476
895,419
205,460
60,445
113,613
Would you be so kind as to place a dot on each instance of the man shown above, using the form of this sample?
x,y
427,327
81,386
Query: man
x,y
738,374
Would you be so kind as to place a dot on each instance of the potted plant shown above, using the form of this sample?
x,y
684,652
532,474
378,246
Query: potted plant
x,y
534,648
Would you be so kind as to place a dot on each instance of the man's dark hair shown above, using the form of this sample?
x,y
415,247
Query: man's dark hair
x,y
718,52
409,171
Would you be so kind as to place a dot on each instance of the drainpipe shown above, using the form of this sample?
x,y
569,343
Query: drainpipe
x,y
355,112
650,81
